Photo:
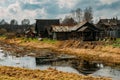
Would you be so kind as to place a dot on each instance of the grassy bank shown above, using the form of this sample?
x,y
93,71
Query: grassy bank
x,y
91,51
12,73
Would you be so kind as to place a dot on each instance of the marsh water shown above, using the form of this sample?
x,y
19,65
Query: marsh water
x,y
30,62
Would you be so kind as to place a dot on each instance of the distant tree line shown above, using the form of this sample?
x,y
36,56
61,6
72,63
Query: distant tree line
x,y
15,22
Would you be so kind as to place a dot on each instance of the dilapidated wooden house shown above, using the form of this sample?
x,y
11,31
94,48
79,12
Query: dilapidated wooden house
x,y
110,27
42,26
84,31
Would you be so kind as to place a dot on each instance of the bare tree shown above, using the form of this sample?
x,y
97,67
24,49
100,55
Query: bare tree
x,y
79,15
73,14
25,22
68,21
88,14
13,22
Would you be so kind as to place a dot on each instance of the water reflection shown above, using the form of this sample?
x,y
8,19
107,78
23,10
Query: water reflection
x,y
108,72
30,62
59,68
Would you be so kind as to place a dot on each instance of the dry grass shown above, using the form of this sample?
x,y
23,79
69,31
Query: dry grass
x,y
92,51
11,73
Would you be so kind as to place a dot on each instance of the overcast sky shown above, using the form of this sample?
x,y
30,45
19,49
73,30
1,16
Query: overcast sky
x,y
42,9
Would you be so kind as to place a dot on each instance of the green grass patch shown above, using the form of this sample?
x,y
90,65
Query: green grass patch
x,y
118,40
3,36
29,39
116,43
51,41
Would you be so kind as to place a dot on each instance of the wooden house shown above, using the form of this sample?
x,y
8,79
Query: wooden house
x,y
84,31
42,26
110,27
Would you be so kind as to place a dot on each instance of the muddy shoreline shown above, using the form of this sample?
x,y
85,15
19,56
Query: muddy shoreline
x,y
17,50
